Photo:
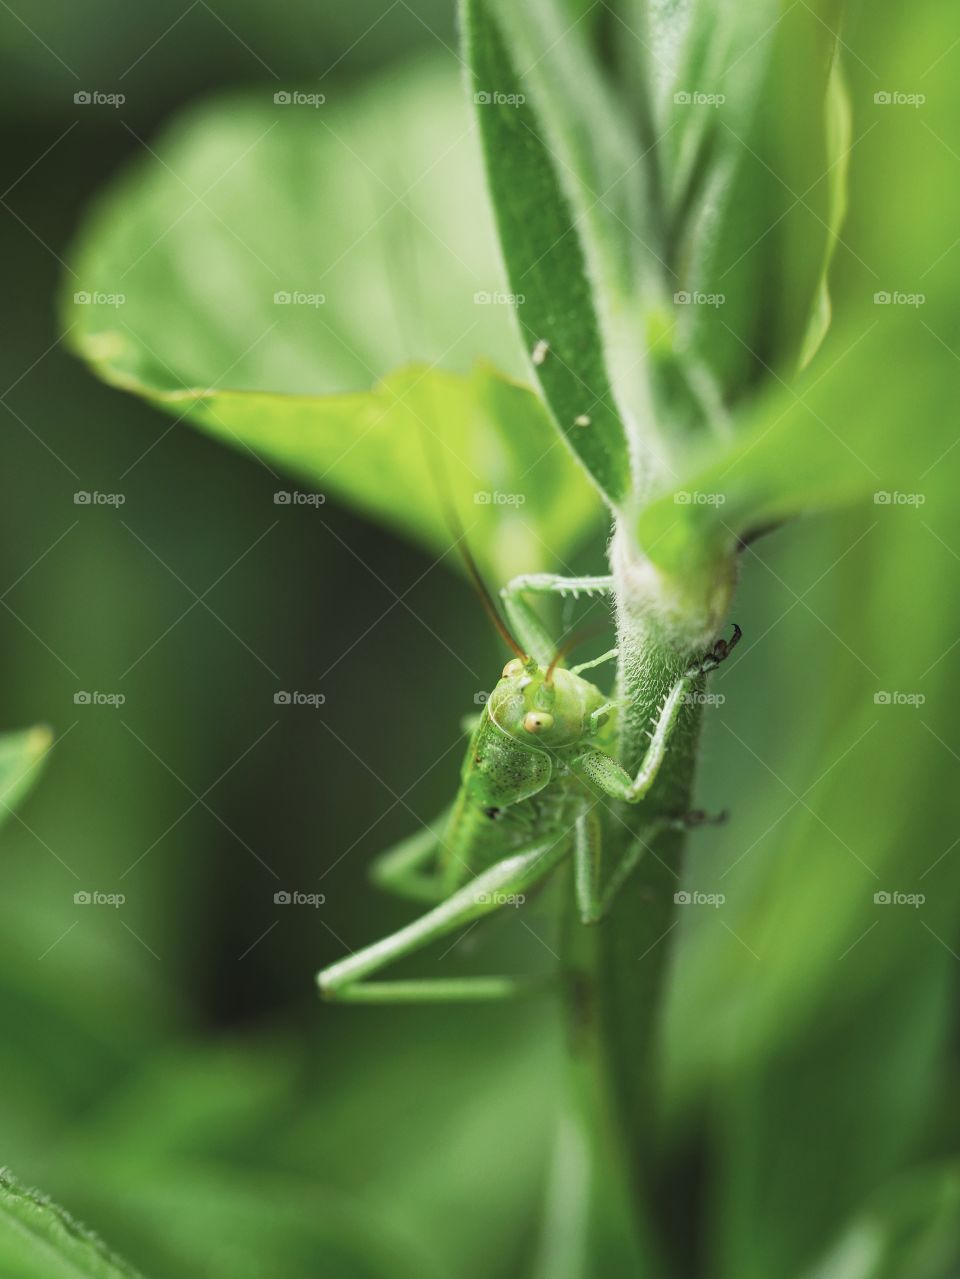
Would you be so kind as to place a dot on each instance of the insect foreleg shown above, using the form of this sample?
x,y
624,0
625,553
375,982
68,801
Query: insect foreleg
x,y
607,774
490,891
602,771
527,626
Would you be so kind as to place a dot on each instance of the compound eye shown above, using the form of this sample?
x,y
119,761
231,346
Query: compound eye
x,y
537,721
512,668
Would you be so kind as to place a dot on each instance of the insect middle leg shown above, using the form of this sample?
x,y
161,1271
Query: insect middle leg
x,y
594,898
527,626
488,892
406,870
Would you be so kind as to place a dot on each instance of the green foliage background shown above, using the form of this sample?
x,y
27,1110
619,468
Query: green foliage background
x,y
167,1074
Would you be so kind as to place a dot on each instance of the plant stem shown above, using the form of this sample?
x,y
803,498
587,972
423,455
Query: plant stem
x,y
618,971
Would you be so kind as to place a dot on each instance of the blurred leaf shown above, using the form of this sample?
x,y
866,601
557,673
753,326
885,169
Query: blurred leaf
x,y
210,1221
544,257
909,1231
520,496
38,1240
741,109
839,126
836,438
277,246
20,758
273,261
810,1021
256,1157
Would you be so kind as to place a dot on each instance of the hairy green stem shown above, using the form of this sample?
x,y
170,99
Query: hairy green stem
x,y
617,972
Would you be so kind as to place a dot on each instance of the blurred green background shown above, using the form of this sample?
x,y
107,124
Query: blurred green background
x,y
168,1074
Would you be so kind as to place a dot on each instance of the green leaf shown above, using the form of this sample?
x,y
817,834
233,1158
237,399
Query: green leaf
x,y
544,256
520,498
20,758
38,1240
751,158
839,134
268,266
836,438
909,1231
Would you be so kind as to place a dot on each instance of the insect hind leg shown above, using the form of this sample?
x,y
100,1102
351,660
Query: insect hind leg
x,y
488,892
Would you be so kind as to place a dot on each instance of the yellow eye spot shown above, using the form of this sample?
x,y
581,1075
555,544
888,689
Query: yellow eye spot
x,y
513,667
537,721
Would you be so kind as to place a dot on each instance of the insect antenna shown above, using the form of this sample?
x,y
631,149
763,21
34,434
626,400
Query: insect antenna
x,y
412,287
458,533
